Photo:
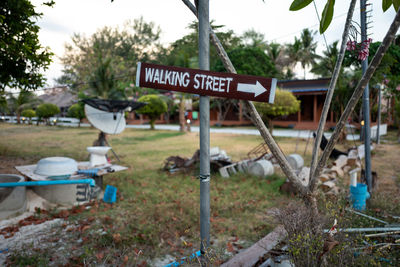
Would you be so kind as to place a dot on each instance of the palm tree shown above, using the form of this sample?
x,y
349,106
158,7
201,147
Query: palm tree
x,y
279,56
103,82
326,64
308,47
293,51
24,100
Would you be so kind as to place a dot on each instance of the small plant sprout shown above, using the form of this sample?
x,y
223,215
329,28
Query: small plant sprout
x,y
333,229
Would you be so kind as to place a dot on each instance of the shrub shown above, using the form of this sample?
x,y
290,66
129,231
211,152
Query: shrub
x,y
29,113
285,103
77,111
46,111
154,108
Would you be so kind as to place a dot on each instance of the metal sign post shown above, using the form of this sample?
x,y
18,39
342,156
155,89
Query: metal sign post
x,y
367,128
205,83
204,64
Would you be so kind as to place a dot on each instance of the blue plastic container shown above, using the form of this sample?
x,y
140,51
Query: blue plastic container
x,y
359,194
110,195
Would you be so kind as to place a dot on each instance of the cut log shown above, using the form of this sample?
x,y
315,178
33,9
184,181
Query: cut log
x,y
327,186
351,161
341,161
347,168
338,170
332,175
250,256
324,177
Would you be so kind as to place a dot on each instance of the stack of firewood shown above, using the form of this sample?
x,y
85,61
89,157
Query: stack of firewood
x,y
340,168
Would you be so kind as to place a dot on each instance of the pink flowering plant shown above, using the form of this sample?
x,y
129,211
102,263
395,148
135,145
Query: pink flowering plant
x,y
360,49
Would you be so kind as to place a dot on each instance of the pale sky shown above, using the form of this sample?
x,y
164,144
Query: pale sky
x,y
272,18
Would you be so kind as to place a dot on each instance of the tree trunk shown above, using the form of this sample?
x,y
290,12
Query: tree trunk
x,y
328,98
270,125
276,151
182,122
390,35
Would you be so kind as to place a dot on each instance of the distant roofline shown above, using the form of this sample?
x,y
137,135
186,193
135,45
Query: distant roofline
x,y
304,80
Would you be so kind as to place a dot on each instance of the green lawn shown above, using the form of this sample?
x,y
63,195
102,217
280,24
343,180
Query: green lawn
x,y
158,213
155,210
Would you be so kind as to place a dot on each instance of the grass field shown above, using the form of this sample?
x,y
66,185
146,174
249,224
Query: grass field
x,y
156,213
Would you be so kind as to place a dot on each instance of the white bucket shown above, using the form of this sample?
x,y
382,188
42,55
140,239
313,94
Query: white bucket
x,y
12,199
261,168
295,161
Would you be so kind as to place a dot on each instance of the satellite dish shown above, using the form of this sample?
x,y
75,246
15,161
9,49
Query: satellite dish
x,y
107,122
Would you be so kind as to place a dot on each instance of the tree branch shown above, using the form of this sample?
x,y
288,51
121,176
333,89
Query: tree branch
x,y
269,140
390,35
329,95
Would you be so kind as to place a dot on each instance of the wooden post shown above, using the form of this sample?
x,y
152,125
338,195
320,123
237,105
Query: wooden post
x,y
299,116
315,109
240,111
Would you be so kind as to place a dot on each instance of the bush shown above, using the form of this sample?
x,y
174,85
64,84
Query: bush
x,y
154,108
46,111
29,113
285,104
77,111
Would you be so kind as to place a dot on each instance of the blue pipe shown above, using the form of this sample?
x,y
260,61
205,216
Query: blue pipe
x,y
185,260
91,182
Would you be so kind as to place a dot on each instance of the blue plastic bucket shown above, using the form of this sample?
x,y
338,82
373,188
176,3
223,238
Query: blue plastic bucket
x,y
359,194
110,195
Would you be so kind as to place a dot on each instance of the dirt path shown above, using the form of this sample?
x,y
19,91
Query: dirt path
x,y
386,162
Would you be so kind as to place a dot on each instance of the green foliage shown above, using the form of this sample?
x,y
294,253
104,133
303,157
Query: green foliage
x,y
22,58
327,13
251,61
326,64
47,110
24,100
396,5
154,108
3,103
299,4
285,103
76,111
389,68
386,4
29,113
102,82
184,52
123,47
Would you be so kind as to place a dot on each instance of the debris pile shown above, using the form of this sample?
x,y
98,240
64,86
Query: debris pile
x,y
345,165
218,159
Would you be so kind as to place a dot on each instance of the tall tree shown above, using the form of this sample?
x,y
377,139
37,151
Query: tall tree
x,y
184,52
136,41
279,57
254,39
293,51
325,65
22,58
102,82
307,51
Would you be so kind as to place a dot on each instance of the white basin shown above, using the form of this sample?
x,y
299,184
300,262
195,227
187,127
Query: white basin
x,y
56,166
98,155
